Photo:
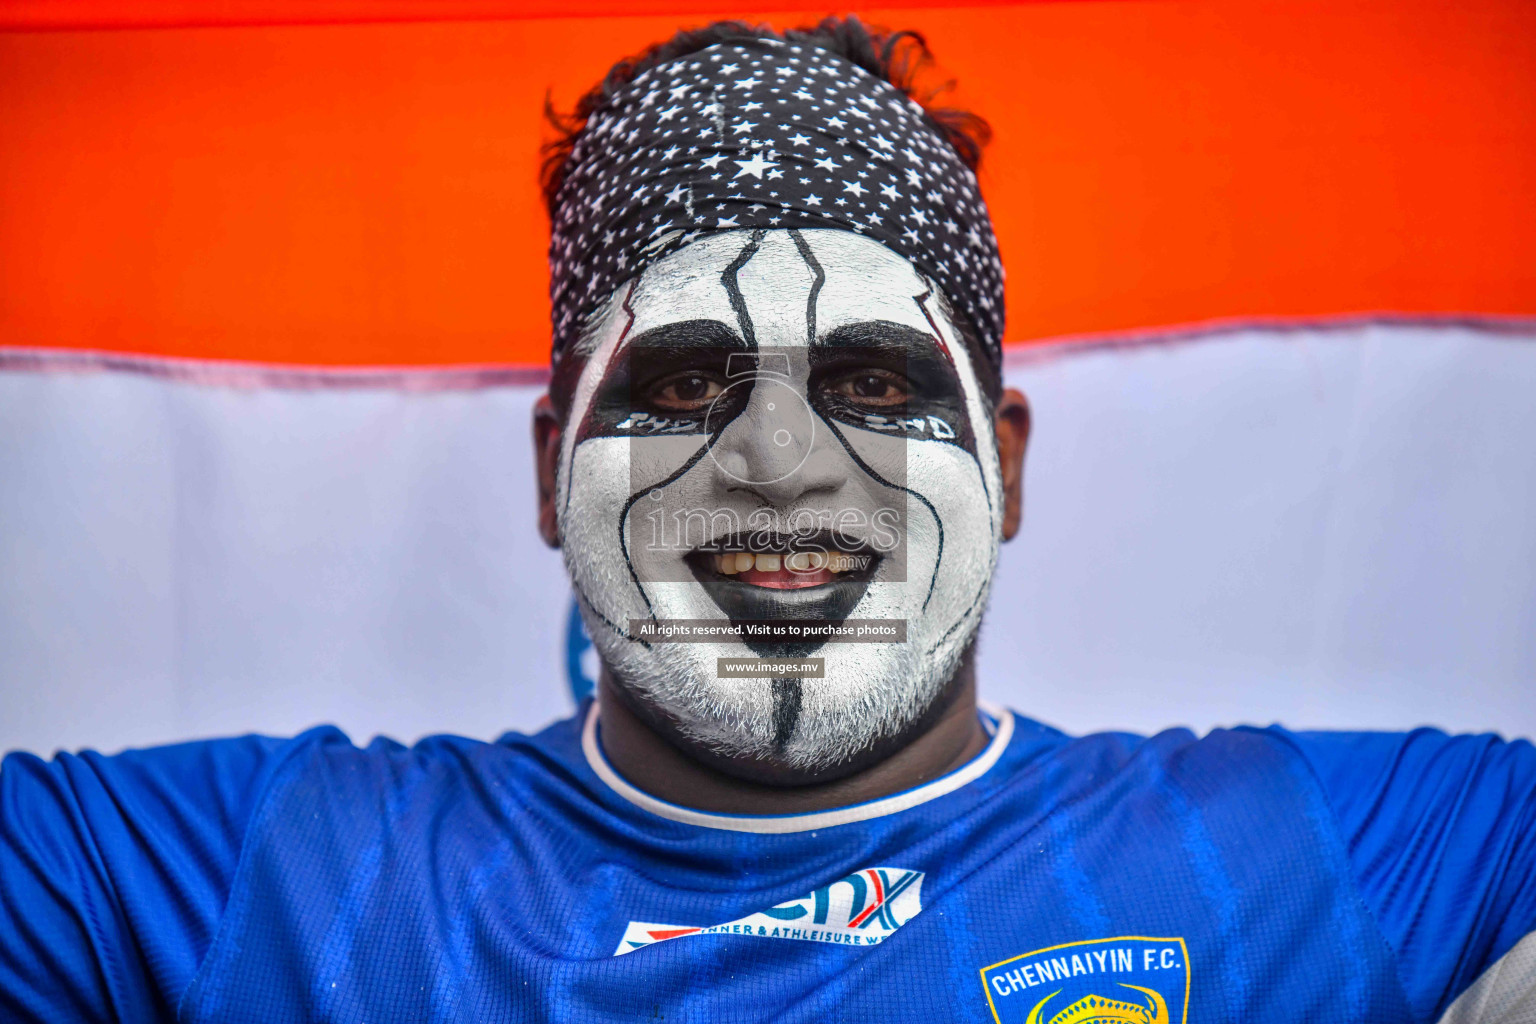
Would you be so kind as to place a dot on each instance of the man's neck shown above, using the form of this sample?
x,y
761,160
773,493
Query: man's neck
x,y
652,763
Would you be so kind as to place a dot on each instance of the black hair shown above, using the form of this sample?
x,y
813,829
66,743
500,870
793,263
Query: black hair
x,y
901,58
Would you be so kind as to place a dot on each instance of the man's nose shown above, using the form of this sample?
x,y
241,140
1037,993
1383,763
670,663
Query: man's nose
x,y
775,450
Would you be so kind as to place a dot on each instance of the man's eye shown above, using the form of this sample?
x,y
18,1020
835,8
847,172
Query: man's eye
x,y
877,388
685,392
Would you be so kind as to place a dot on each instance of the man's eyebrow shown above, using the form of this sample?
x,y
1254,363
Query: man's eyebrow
x,y
881,334
689,334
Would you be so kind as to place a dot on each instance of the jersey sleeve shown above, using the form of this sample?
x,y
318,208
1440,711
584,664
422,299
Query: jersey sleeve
x,y
1441,834
114,872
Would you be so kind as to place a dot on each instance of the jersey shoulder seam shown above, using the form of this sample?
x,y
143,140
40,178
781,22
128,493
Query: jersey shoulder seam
x,y
1337,823
305,743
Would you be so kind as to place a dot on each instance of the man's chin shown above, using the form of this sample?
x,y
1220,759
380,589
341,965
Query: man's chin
x,y
821,751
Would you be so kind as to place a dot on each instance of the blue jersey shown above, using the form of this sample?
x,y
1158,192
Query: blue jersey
x,y
1250,875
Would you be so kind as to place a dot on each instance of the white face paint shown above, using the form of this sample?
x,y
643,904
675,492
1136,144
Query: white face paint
x,y
762,392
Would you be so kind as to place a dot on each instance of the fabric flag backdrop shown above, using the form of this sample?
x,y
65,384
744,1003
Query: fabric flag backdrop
x,y
273,316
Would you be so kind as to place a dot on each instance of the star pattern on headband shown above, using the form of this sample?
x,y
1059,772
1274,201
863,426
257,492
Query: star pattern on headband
x,y
765,134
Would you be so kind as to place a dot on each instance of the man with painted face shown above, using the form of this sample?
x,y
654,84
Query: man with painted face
x,y
783,429
779,461
776,407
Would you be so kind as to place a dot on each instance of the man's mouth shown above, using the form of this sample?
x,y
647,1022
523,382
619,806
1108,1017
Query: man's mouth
x,y
812,578
794,570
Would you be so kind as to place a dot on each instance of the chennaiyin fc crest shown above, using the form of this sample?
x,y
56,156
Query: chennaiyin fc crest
x,y
1132,979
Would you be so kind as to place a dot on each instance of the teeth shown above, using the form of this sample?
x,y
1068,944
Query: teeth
x,y
732,562
805,561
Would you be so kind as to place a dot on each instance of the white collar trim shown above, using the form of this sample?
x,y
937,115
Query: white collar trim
x,y
782,823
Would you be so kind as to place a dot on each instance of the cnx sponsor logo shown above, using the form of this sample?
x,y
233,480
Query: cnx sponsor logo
x,y
860,909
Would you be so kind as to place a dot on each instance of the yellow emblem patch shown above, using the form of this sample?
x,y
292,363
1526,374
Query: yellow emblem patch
x,y
1130,979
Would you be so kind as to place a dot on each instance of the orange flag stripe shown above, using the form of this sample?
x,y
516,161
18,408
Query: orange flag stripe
x,y
364,194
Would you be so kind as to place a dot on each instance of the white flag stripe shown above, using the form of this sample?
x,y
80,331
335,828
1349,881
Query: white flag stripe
x,y
1327,527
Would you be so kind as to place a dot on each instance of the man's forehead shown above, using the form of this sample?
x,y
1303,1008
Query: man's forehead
x,y
778,283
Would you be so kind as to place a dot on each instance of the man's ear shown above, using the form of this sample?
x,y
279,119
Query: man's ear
x,y
1012,426
546,459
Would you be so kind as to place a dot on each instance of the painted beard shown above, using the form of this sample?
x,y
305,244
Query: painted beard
x,y
783,429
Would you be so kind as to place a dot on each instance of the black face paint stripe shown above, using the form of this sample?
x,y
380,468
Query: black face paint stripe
x,y
786,711
821,279
629,324
938,335
581,595
866,467
744,318
961,620
733,289
629,564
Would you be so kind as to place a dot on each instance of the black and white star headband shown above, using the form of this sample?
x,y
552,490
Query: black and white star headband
x,y
765,134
